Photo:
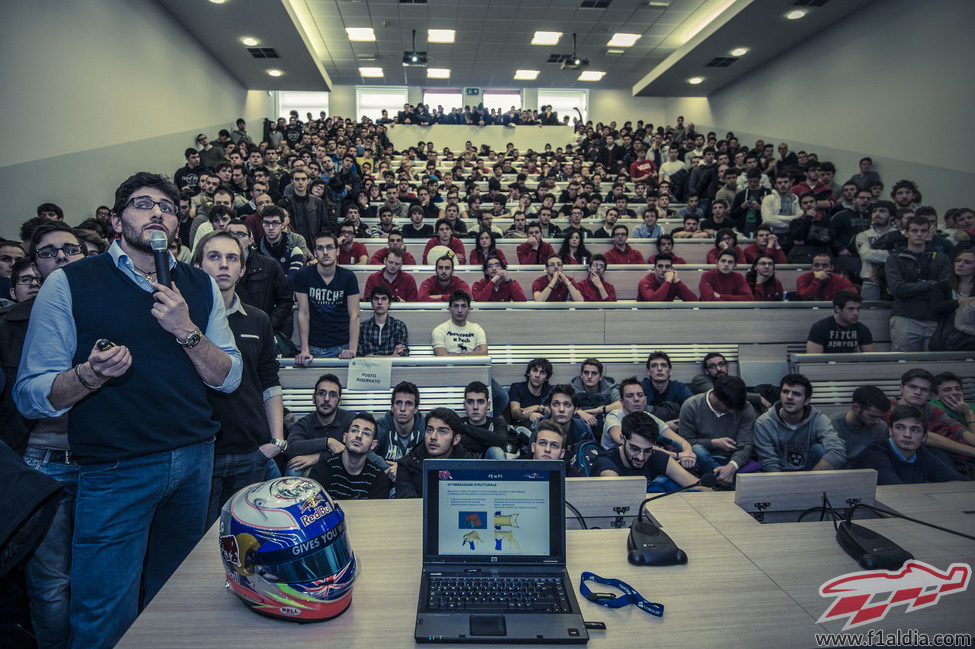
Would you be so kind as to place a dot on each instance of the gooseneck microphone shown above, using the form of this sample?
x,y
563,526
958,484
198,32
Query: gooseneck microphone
x,y
160,252
647,544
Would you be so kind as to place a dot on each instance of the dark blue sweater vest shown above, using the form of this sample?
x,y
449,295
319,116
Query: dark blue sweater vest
x,y
160,403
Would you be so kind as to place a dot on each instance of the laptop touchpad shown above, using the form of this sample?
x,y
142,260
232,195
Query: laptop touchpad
x,y
488,625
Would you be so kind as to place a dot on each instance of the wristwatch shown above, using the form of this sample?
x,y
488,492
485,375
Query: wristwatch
x,y
192,339
281,444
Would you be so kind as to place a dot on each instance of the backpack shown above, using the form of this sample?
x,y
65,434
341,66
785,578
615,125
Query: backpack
x,y
581,457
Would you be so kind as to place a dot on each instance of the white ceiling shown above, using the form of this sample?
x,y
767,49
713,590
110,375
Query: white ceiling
x,y
493,40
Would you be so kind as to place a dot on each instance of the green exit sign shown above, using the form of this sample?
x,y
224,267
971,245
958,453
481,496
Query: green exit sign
x,y
473,91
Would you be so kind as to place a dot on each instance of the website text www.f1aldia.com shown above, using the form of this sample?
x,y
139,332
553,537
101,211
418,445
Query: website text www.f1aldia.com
x,y
895,638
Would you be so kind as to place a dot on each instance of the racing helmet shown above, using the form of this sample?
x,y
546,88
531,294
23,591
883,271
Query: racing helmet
x,y
285,550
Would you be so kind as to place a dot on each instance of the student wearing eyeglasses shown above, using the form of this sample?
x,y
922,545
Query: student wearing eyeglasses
x,y
140,428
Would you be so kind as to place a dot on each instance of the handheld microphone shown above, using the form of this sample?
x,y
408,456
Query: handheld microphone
x,y
647,544
160,252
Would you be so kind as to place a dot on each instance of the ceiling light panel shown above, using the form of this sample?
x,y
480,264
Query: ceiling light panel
x,y
440,35
371,72
526,75
623,40
546,38
360,33
438,73
591,75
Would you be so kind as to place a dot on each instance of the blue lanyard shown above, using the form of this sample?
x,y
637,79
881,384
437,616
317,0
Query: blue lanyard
x,y
610,600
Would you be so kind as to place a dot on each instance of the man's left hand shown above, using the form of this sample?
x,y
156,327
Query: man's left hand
x,y
725,474
171,312
346,353
269,450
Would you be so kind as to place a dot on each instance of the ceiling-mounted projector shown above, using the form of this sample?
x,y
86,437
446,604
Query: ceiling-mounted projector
x,y
414,59
575,63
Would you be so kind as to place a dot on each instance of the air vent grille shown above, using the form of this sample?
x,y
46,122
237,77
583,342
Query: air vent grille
x,y
263,52
413,2
720,62
810,3
558,58
595,4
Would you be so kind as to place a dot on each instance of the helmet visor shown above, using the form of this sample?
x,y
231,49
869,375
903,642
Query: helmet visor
x,y
312,567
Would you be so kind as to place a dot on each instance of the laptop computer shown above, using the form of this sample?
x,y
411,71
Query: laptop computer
x,y
494,554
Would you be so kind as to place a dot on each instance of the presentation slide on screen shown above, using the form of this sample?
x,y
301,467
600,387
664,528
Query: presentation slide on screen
x,y
504,517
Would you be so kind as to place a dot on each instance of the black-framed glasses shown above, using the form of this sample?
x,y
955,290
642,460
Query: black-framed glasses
x,y
146,203
50,252
27,280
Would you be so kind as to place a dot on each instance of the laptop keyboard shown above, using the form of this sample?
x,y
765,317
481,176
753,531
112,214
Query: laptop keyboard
x,y
508,594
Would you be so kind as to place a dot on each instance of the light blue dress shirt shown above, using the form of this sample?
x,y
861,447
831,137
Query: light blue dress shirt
x,y
52,338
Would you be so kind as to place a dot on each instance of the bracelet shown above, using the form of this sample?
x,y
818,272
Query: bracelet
x,y
89,386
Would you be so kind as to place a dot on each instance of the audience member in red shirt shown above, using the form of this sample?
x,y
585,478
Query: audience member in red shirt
x,y
622,252
554,285
765,243
665,243
761,279
392,276
485,246
573,251
662,284
594,288
534,251
439,287
642,170
725,239
723,284
822,283
395,241
445,237
496,286
351,251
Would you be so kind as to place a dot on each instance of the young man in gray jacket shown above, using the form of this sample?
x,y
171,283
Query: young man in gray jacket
x,y
792,436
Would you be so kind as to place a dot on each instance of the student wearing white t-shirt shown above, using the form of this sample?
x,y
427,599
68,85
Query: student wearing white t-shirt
x,y
458,337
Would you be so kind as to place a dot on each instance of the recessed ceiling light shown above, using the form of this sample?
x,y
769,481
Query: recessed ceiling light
x,y
360,33
695,80
275,73
591,75
218,2
371,72
440,35
615,51
526,75
739,51
249,41
546,38
438,73
623,40
796,14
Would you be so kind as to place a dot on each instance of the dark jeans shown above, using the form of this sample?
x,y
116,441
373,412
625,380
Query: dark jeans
x,y
231,473
135,522
49,569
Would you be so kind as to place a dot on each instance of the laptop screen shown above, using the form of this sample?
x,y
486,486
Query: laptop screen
x,y
493,511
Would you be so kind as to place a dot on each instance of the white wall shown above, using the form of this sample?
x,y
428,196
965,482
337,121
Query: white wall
x,y
893,82
66,137
607,105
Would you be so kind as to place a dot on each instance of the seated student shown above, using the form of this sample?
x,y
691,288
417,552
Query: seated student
x,y
562,406
718,425
950,397
519,226
441,440
605,231
665,243
691,229
598,394
382,334
486,244
548,442
636,455
573,250
348,475
445,238
496,285
394,241
555,285
401,284
841,332
662,284
402,427
528,397
761,280
351,252
658,386
950,436
443,284
723,284
719,219
483,436
634,399
385,225
416,228
821,283
793,436
622,252
902,459
649,229
765,243
534,251
863,424
725,239
595,288
319,433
